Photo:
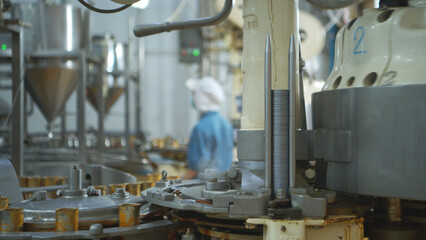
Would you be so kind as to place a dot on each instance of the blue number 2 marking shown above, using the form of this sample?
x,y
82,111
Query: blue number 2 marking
x,y
360,38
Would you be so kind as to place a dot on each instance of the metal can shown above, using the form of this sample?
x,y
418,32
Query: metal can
x,y
22,181
13,220
173,177
134,188
66,219
4,202
128,214
33,181
146,185
112,187
153,177
102,188
144,178
50,181
63,180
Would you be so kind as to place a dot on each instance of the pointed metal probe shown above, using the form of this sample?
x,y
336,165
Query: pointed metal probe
x,y
268,113
292,68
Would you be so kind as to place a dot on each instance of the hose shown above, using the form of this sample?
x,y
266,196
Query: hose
x,y
87,5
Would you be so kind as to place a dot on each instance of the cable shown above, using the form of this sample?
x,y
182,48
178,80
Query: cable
x,y
178,11
87,5
334,18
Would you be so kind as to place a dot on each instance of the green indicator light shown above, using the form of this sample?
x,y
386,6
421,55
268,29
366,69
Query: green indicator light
x,y
4,47
196,52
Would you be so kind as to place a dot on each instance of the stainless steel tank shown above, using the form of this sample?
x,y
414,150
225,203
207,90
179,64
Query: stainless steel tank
x,y
113,54
51,47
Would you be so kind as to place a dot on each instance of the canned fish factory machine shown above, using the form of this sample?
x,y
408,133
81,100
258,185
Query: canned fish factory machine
x,y
357,174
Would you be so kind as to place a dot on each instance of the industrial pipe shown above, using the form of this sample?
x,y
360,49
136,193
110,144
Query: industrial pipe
x,y
150,29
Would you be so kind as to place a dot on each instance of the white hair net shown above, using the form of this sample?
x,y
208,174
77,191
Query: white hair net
x,y
208,93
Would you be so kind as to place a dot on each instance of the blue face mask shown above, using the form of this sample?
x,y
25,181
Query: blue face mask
x,y
192,102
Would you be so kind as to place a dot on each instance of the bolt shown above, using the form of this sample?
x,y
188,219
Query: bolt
x,y
164,175
232,173
59,193
120,190
310,173
96,229
213,179
283,228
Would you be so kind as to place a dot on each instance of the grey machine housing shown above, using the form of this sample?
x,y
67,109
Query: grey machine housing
x,y
374,139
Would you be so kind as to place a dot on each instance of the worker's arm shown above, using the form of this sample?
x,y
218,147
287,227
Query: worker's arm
x,y
194,154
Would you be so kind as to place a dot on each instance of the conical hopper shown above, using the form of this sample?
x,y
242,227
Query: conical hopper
x,y
50,87
111,95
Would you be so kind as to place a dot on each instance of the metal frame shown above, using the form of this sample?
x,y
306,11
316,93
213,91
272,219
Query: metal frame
x,y
81,106
152,230
126,104
101,110
18,87
18,83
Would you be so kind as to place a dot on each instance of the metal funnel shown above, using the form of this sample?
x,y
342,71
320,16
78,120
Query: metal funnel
x,y
113,53
110,94
50,87
55,31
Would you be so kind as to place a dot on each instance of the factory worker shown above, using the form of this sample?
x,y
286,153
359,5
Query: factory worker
x,y
211,142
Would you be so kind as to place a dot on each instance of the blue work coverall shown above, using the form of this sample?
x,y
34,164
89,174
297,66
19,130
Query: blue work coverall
x,y
211,144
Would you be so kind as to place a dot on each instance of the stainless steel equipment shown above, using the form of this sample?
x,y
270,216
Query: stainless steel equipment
x,y
374,142
98,216
113,54
51,46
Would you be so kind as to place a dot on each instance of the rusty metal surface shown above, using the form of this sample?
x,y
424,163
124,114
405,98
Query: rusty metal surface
x,y
128,214
134,188
13,220
4,203
113,187
66,219
228,235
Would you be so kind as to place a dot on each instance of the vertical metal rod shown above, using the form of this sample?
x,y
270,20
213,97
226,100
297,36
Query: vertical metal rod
x,y
26,114
18,102
268,114
301,96
138,129
127,104
292,64
139,78
64,127
101,108
81,107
